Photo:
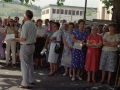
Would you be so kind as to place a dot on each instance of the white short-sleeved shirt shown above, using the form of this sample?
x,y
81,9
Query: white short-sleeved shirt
x,y
57,34
41,31
28,32
110,38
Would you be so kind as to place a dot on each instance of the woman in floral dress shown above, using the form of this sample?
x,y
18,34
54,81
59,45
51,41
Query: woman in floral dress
x,y
67,40
78,56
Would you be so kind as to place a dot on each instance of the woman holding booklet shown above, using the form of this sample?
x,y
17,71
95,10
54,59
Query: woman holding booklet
x,y
78,54
11,29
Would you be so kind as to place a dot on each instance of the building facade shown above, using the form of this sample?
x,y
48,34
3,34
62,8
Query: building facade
x,y
102,12
70,13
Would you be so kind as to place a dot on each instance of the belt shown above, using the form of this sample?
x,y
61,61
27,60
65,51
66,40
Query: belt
x,y
27,44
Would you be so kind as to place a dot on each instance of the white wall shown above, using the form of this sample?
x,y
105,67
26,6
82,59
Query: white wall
x,y
66,16
102,14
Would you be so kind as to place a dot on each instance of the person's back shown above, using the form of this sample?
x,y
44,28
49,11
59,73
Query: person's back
x,y
31,30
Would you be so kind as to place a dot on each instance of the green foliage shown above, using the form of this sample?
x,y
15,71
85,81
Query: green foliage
x,y
108,4
60,2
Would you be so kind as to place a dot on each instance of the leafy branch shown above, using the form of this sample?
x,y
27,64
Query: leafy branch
x,y
108,4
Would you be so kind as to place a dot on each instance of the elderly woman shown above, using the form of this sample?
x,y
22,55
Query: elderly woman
x,y
78,55
108,60
94,43
11,29
53,57
67,40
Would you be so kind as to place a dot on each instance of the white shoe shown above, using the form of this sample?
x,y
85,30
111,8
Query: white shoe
x,y
73,79
64,74
79,77
70,75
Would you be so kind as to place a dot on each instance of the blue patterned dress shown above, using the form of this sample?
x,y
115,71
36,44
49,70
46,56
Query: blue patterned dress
x,y
68,37
78,56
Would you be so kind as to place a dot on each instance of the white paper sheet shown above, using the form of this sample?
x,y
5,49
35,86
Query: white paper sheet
x,y
10,37
2,30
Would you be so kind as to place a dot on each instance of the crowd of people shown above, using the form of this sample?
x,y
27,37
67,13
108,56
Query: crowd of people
x,y
85,47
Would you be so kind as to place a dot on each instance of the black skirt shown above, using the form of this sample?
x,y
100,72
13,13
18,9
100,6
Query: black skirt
x,y
40,42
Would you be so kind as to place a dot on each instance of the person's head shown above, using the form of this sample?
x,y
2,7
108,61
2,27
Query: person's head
x,y
16,19
33,20
65,26
39,23
0,22
70,26
50,23
88,29
5,22
46,22
76,25
112,27
100,29
11,23
81,23
94,30
63,21
105,29
56,26
28,15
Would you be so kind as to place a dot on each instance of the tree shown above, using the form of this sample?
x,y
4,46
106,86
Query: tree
x,y
107,3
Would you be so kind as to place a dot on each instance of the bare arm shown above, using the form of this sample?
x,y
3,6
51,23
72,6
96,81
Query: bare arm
x,y
75,40
66,45
105,43
114,44
90,45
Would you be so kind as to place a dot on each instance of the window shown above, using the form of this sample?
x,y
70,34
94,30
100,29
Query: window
x,y
62,11
54,11
57,20
73,12
77,12
81,13
43,12
69,12
58,11
66,11
47,11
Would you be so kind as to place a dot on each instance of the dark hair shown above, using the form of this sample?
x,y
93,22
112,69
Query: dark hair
x,y
113,24
9,23
29,14
38,21
88,28
47,20
81,20
17,18
71,24
51,21
57,24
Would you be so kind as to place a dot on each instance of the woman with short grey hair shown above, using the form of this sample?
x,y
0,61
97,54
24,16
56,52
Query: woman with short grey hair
x,y
94,43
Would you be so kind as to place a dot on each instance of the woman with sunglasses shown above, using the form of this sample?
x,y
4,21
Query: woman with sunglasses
x,y
11,29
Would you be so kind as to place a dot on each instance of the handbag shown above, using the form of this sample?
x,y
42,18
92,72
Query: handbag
x,y
77,46
59,48
67,60
3,45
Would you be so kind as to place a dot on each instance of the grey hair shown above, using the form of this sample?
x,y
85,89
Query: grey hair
x,y
95,27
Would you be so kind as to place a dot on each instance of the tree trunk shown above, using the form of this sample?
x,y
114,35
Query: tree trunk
x,y
116,14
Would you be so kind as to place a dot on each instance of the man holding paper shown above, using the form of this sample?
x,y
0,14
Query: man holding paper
x,y
27,40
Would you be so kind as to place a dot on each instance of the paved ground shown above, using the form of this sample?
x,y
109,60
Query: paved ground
x,y
10,78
